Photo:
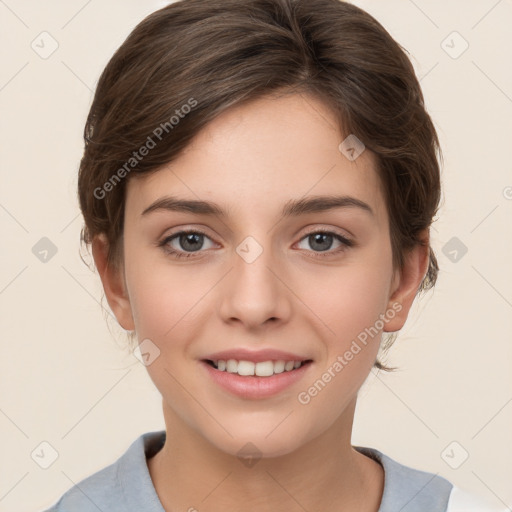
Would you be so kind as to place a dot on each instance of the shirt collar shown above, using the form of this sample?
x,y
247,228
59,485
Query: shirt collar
x,y
405,489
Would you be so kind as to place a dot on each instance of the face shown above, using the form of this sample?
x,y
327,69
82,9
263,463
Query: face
x,y
260,275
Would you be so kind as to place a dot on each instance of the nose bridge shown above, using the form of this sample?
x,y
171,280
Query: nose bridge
x,y
254,292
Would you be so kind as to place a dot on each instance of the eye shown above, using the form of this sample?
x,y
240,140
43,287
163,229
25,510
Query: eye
x,y
187,243
322,240
184,243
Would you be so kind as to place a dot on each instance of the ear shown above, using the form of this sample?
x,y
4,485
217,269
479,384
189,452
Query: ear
x,y
406,282
113,283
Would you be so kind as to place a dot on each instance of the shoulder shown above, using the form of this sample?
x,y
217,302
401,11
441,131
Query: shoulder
x,y
122,486
412,490
98,491
462,501
408,489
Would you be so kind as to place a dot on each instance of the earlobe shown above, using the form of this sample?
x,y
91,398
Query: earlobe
x,y
405,285
113,283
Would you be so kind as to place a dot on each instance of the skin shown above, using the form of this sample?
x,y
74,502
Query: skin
x,y
251,160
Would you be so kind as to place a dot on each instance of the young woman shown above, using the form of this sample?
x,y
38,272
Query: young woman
x,y
258,183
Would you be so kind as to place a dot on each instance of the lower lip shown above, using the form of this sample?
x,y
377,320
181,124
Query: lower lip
x,y
252,386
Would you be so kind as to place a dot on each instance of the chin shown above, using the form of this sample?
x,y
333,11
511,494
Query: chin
x,y
260,442
248,448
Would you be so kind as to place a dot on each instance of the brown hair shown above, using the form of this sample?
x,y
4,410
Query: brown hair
x,y
185,64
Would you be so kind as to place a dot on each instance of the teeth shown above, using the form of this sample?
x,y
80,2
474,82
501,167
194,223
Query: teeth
x,y
244,367
231,366
279,366
261,369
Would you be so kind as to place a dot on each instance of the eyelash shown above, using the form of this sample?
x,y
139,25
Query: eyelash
x,y
346,243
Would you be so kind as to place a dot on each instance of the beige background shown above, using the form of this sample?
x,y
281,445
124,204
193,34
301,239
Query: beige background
x,y
64,376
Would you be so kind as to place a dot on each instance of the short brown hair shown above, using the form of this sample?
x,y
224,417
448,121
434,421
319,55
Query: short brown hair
x,y
221,53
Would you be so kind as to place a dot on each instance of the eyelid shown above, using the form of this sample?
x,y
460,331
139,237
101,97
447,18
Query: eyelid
x,y
332,230
310,230
183,231
346,241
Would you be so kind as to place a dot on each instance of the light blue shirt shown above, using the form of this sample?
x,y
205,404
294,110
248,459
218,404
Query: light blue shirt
x,y
126,485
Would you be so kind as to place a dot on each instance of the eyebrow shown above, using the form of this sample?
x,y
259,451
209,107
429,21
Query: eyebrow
x,y
293,208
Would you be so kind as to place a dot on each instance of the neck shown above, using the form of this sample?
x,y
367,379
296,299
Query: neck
x,y
325,473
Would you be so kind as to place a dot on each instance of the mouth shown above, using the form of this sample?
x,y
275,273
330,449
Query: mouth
x,y
256,380
246,368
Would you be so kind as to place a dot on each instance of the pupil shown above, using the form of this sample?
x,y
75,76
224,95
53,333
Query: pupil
x,y
193,241
317,239
191,238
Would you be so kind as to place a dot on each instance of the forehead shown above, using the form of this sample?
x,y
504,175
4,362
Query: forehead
x,y
259,155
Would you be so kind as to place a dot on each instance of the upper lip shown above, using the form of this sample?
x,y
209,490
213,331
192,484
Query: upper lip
x,y
256,356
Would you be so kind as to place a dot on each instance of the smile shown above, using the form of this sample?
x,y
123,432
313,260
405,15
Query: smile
x,y
259,369
267,373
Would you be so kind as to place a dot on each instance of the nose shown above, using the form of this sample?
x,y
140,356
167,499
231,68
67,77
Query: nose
x,y
255,293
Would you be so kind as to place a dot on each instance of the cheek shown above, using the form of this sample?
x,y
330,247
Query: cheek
x,y
165,299
166,303
351,300
350,308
